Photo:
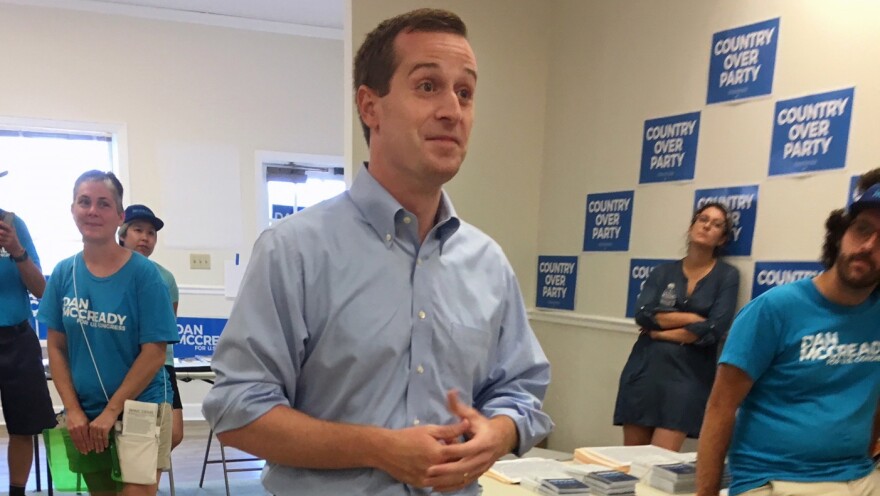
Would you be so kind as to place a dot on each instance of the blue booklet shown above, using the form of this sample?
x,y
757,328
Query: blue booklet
x,y
566,486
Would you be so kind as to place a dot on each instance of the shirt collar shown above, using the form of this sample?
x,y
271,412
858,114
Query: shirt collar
x,y
381,210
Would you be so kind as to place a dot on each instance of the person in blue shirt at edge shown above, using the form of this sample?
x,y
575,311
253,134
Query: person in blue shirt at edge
x,y
27,407
379,344
139,232
796,395
684,311
109,318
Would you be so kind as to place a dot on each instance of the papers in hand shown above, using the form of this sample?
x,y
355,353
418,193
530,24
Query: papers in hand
x,y
139,418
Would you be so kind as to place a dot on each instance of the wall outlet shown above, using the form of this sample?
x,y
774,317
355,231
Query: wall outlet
x,y
199,261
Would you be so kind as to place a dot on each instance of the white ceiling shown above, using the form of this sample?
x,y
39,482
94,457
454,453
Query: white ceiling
x,y
319,18
318,13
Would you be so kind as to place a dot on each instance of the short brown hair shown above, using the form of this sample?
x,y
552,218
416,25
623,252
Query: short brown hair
x,y
838,221
108,178
376,61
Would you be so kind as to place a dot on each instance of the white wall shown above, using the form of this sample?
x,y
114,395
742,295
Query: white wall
x,y
616,64
197,103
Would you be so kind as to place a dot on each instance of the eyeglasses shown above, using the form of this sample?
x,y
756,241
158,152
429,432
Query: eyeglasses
x,y
862,230
705,219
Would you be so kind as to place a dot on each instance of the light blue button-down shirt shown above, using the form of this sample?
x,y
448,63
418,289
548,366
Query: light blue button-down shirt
x,y
343,316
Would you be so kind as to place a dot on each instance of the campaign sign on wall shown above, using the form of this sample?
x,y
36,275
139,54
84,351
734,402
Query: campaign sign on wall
x,y
742,62
669,149
557,278
35,307
851,197
742,203
282,211
768,275
608,220
198,336
811,133
639,270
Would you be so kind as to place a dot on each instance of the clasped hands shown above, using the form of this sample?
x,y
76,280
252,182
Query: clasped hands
x,y
435,455
90,436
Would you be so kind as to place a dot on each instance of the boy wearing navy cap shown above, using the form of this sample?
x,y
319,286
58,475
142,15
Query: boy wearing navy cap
x,y
139,232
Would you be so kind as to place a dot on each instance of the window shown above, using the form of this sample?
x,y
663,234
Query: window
x,y
43,159
292,187
43,166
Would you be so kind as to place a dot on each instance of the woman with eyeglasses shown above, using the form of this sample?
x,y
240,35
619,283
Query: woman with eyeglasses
x,y
109,319
684,311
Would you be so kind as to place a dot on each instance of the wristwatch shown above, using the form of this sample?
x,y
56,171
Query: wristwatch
x,y
21,258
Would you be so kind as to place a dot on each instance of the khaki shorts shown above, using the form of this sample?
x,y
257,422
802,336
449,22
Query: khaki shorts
x,y
164,461
866,486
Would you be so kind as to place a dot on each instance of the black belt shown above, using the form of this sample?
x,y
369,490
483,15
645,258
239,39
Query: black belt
x,y
20,327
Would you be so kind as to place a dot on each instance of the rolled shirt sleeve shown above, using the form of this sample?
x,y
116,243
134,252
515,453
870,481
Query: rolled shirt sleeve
x,y
518,381
257,358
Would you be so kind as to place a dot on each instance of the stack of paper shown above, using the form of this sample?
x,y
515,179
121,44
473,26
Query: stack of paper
x,y
611,482
621,457
641,466
513,471
674,477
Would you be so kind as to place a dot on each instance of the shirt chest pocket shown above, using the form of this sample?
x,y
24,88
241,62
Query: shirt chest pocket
x,y
463,355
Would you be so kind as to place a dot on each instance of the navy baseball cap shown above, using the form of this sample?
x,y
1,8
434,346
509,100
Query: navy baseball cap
x,y
142,212
869,199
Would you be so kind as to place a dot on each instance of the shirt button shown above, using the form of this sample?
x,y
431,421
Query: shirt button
x,y
420,369
387,237
417,422
422,314
407,220
418,261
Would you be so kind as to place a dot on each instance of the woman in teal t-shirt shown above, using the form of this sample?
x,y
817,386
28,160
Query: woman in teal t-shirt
x,y
109,319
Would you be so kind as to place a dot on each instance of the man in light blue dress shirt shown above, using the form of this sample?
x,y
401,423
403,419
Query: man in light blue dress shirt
x,y
379,344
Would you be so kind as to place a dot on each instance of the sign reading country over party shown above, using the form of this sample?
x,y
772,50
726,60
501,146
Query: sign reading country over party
x,y
198,336
742,203
557,278
853,193
608,220
669,149
811,133
639,270
282,211
768,275
742,62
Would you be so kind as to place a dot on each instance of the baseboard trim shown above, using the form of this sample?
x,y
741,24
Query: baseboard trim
x,y
593,322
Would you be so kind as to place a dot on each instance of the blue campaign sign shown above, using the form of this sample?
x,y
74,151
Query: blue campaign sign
x,y
639,270
742,62
282,211
851,197
608,220
811,133
771,274
198,336
35,307
742,203
557,279
669,149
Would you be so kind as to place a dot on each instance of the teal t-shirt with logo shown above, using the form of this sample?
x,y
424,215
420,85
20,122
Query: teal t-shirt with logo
x,y
816,371
118,314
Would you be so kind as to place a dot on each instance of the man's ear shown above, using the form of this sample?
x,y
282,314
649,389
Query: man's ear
x,y
367,105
